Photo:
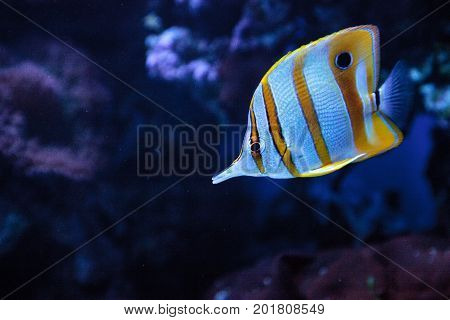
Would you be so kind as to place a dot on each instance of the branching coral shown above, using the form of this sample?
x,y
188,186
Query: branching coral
x,y
176,54
214,58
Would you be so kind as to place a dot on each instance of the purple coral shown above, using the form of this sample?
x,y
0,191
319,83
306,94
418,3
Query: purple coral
x,y
263,25
77,165
219,58
32,157
79,79
176,55
31,90
35,107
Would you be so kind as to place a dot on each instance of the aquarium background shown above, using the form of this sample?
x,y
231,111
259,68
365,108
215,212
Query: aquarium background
x,y
68,156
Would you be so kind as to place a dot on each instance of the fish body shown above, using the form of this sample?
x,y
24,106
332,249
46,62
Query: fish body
x,y
318,109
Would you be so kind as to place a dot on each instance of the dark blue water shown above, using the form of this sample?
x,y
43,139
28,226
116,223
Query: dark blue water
x,y
71,103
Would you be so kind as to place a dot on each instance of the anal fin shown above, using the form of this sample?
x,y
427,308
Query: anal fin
x,y
329,168
386,135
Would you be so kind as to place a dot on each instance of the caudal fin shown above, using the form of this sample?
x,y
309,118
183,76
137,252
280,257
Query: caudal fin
x,y
396,95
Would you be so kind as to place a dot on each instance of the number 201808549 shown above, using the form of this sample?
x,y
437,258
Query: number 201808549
x,y
288,308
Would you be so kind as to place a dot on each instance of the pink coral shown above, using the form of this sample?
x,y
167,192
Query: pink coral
x,y
42,111
34,158
29,88
77,165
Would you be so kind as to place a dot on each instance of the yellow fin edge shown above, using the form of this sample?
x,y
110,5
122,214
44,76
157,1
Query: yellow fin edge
x,y
331,167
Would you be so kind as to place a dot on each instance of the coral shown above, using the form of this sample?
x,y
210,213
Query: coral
x,y
436,100
176,54
265,25
33,158
328,275
217,66
68,155
36,106
64,161
432,78
33,92
86,95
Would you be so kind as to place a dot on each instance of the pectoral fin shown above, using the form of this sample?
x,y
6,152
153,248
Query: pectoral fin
x,y
331,167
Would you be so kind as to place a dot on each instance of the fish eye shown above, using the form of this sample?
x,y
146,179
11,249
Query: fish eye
x,y
255,147
343,60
